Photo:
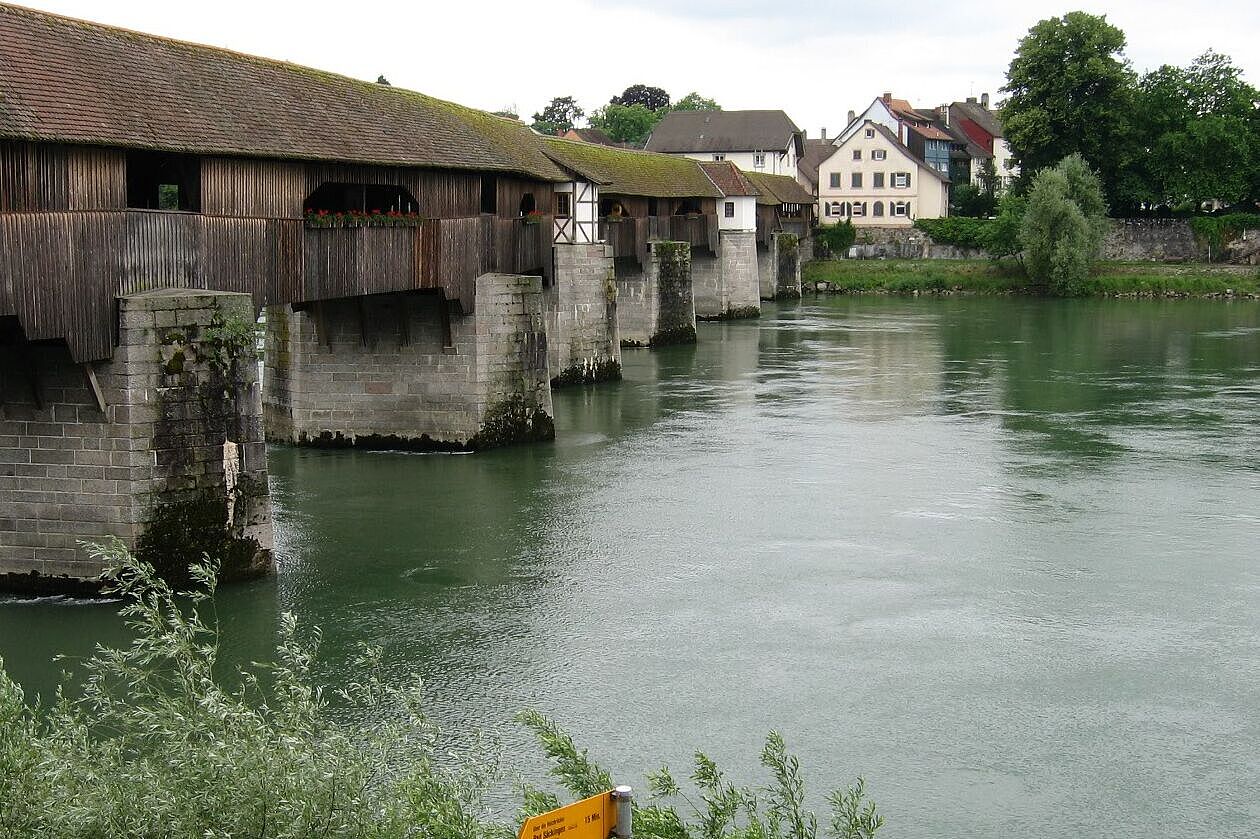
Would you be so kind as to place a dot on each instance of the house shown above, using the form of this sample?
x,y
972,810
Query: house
x,y
816,151
874,179
983,128
755,141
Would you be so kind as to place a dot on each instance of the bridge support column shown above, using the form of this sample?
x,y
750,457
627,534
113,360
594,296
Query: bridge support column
x,y
404,371
779,268
582,343
726,285
160,446
655,306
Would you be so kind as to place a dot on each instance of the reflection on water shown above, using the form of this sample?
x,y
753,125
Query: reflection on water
x,y
997,555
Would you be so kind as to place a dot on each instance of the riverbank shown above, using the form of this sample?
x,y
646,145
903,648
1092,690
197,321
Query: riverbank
x,y
948,276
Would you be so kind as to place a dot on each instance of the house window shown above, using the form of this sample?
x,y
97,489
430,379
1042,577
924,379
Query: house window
x,y
846,209
835,180
900,208
564,204
728,209
878,209
719,156
877,180
855,180
159,181
759,160
859,208
879,154
489,194
870,133
857,154
901,180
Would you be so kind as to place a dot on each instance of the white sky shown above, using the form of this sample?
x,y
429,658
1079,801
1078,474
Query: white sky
x,y
813,58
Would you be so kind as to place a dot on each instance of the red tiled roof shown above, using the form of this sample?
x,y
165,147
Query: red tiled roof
x,y
71,81
727,177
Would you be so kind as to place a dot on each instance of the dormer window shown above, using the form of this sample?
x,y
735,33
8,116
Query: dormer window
x,y
719,157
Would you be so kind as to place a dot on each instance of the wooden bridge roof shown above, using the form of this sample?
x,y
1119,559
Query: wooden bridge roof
x,y
69,81
779,189
629,172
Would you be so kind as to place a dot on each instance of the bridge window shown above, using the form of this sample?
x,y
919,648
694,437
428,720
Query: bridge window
x,y
688,206
362,198
489,194
160,181
612,208
527,205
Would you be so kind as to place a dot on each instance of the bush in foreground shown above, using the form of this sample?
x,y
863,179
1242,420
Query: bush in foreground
x,y
156,747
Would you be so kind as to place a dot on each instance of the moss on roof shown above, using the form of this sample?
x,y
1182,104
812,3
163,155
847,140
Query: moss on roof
x,y
779,189
629,172
73,81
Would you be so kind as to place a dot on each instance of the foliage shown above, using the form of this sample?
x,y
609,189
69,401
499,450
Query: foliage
x,y
652,98
1063,227
836,238
1070,91
1198,128
156,746
959,231
626,123
559,116
1215,232
1002,233
721,810
695,102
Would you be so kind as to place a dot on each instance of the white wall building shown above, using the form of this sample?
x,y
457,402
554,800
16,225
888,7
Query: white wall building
x,y
755,141
872,179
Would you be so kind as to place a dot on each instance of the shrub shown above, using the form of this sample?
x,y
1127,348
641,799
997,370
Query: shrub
x,y
836,238
1215,232
1002,234
956,230
1063,227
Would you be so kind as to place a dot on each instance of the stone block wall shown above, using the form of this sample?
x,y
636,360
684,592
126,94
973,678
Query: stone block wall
x,y
779,267
655,305
174,465
726,286
581,309
1137,240
403,371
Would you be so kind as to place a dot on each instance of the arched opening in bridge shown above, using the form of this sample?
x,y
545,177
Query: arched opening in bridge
x,y
362,198
162,181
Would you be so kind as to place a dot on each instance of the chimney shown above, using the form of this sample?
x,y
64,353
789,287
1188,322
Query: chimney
x,y
971,100
943,112
823,132
984,100
887,97
852,116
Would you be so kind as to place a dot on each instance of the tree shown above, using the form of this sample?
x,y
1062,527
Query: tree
x,y
1063,227
652,98
971,201
559,116
1197,129
626,123
695,102
1070,91
1001,237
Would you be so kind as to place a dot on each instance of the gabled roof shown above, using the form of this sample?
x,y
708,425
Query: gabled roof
x,y
630,172
899,146
780,189
979,114
590,135
724,131
727,177
70,81
816,151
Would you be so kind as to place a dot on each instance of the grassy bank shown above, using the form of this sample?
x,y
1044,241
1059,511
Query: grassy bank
x,y
946,276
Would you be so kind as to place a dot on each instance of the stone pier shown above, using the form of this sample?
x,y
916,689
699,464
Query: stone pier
x,y
779,268
581,309
160,446
654,300
726,285
406,371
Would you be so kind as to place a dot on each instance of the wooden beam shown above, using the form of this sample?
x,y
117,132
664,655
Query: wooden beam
x,y
90,372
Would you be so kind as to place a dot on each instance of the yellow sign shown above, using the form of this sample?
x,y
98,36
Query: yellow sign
x,y
590,818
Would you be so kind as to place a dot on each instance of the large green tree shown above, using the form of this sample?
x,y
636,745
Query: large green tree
x,y
695,102
626,123
559,116
1197,128
1070,91
652,98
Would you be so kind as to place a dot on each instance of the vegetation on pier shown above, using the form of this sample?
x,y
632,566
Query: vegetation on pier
x,y
156,745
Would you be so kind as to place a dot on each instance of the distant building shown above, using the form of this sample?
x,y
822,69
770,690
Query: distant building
x,y
755,141
873,179
982,126
590,135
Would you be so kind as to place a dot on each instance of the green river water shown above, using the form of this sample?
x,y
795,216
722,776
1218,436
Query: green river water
x,y
1000,556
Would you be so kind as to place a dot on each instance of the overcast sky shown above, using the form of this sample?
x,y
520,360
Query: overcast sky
x,y
814,59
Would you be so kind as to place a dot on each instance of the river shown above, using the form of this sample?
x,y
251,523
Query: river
x,y
999,556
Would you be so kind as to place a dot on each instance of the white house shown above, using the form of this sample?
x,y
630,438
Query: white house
x,y
755,141
873,179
